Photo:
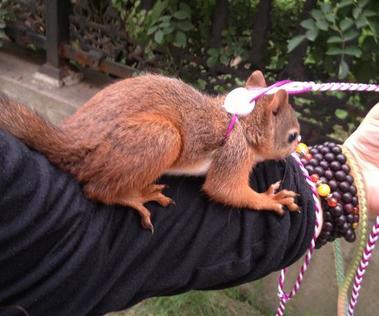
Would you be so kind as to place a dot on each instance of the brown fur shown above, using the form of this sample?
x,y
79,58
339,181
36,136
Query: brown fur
x,y
135,130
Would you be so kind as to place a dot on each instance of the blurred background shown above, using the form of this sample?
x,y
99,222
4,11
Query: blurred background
x,y
61,52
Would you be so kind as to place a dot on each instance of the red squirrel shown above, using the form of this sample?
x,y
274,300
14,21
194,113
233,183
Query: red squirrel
x,y
137,129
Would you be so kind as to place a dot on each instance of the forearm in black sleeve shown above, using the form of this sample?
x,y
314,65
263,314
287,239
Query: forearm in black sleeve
x,y
64,255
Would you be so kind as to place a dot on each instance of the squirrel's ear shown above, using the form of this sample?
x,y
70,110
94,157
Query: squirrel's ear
x,y
256,79
280,98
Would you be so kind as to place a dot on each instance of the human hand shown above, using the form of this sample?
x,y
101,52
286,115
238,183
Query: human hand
x,y
364,144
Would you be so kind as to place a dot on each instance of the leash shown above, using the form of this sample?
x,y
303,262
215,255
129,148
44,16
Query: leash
x,y
363,254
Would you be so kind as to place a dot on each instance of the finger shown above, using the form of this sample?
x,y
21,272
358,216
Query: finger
x,y
285,193
273,188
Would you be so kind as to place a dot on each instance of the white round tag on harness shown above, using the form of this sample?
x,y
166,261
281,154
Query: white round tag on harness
x,y
238,102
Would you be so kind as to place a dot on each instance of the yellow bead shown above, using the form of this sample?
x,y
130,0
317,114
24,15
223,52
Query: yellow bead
x,y
323,190
301,148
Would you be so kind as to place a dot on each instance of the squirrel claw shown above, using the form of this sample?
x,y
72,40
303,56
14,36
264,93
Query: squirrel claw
x,y
147,224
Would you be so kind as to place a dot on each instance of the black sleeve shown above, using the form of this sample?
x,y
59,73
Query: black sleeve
x,y
64,255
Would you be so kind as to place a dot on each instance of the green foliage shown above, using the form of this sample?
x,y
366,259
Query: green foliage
x,y
347,26
167,23
228,302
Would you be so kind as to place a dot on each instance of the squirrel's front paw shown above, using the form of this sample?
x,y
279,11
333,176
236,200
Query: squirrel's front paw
x,y
275,201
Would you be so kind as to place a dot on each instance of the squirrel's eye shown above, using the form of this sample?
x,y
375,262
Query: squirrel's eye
x,y
292,137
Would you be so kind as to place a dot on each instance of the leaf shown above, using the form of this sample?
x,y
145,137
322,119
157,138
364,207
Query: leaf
x,y
353,51
357,12
181,15
308,24
152,29
334,40
326,8
157,10
369,13
351,34
224,59
317,14
294,42
168,30
180,39
185,7
214,52
212,61
361,22
330,17
185,25
334,51
343,70
322,25
345,3
159,36
164,25
165,18
362,3
311,34
346,23
341,114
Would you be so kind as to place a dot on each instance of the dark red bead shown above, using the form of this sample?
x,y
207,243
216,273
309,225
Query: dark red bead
x,y
340,220
346,197
328,174
336,195
308,156
349,208
349,179
344,186
345,227
313,151
332,202
336,150
356,210
327,216
324,164
353,189
341,158
319,171
324,150
329,157
315,177
328,226
313,162
333,185
350,218
326,234
337,211
335,165
323,180
340,175
345,168
318,156
350,235
356,218
310,169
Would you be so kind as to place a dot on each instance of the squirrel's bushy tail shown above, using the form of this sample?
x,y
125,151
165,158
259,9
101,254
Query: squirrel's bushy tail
x,y
36,132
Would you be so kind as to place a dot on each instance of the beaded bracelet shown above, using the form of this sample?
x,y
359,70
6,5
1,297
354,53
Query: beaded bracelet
x,y
326,164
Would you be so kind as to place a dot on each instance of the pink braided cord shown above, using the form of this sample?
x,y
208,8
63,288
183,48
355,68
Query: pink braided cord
x,y
297,87
285,297
374,235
